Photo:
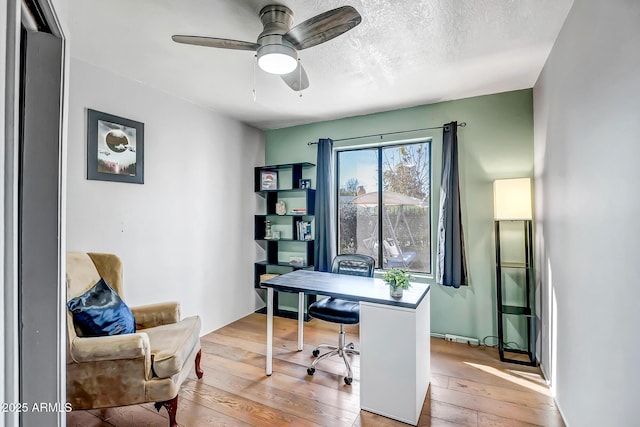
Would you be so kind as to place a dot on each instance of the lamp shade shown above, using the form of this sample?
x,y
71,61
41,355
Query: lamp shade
x,y
277,59
512,199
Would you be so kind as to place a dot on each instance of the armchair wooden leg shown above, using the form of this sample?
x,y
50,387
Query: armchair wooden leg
x,y
172,408
199,372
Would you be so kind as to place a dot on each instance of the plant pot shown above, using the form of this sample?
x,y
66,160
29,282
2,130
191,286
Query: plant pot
x,y
395,293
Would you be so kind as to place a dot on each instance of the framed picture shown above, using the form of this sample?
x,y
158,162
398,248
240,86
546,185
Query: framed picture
x,y
115,148
305,183
269,180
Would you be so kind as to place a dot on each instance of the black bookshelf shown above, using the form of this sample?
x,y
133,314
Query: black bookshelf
x,y
288,187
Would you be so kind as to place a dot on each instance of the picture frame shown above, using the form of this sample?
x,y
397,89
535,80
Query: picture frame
x,y
268,180
115,148
304,183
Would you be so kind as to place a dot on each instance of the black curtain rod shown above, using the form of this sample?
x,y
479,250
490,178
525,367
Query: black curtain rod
x,y
462,124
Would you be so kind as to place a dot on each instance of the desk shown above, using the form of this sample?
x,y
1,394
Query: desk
x,y
395,364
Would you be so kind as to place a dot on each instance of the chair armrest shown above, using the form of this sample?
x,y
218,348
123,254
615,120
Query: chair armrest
x,y
148,316
114,347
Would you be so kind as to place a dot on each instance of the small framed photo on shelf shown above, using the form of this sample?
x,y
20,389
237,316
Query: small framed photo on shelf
x,y
305,183
269,180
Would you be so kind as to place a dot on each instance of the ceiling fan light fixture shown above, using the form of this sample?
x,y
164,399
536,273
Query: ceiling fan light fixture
x,y
277,59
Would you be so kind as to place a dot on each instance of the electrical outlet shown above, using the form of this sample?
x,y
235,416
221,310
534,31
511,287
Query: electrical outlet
x,y
461,339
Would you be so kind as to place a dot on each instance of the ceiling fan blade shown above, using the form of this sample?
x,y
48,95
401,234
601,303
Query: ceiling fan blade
x,y
215,42
323,27
297,79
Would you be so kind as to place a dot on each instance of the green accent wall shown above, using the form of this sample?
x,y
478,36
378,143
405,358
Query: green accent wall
x,y
496,143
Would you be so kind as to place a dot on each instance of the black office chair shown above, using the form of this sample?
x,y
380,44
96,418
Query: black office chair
x,y
339,311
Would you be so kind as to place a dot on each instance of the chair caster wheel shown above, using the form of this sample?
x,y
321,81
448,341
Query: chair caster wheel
x,y
348,380
311,371
351,346
315,353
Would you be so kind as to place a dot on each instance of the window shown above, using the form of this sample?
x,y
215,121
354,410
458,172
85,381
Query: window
x,y
384,195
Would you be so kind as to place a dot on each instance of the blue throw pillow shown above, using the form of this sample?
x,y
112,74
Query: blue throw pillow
x,y
100,311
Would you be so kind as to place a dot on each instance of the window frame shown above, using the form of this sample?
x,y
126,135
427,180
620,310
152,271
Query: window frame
x,y
380,146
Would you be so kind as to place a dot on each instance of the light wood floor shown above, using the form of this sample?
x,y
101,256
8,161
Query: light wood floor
x,y
469,386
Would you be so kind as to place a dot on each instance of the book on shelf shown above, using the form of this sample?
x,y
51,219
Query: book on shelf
x,y
299,211
303,229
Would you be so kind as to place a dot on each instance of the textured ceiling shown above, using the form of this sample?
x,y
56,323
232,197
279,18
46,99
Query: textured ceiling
x,y
404,53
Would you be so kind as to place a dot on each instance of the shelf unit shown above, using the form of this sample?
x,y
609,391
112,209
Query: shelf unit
x,y
279,251
515,299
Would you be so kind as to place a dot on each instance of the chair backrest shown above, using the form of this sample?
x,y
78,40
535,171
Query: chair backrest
x,y
85,269
353,264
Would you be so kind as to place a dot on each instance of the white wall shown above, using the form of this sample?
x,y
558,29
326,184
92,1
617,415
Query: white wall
x,y
187,233
587,127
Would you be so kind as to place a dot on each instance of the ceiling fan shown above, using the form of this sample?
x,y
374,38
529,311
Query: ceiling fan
x,y
278,43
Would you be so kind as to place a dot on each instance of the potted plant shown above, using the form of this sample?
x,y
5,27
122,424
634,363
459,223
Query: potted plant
x,y
398,280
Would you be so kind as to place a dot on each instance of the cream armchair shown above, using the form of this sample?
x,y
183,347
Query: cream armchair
x,y
146,366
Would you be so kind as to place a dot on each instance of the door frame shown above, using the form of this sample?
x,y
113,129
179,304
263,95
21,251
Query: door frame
x,y
10,216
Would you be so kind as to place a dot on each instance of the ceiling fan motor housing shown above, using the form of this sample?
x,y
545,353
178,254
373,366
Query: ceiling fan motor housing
x,y
275,52
276,19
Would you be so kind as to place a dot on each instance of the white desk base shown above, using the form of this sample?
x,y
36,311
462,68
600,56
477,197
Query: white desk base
x,y
395,359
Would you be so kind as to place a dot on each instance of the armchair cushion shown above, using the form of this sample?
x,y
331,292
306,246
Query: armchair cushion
x,y
100,311
172,344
